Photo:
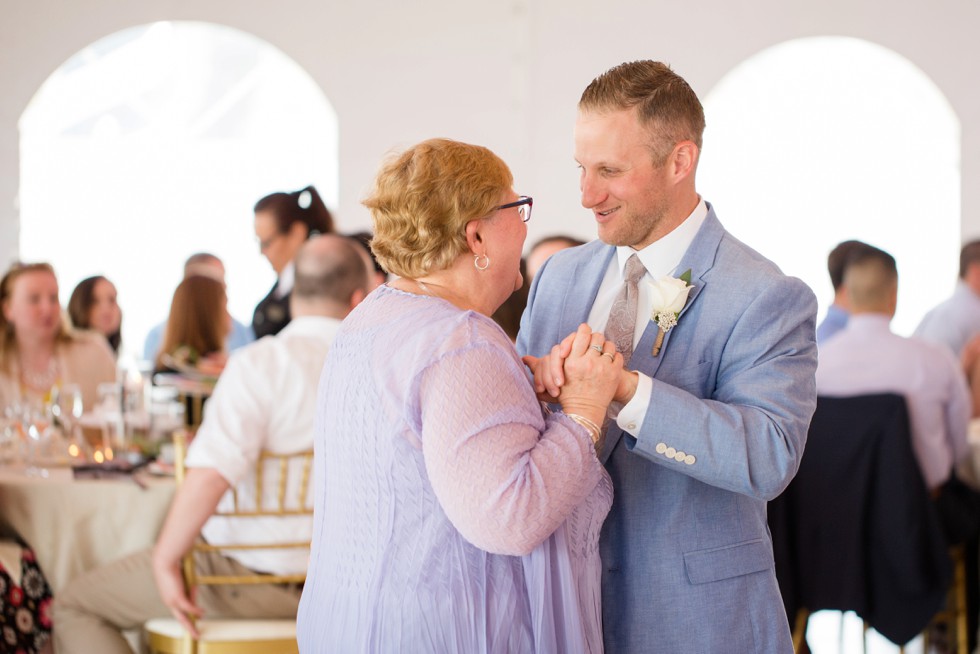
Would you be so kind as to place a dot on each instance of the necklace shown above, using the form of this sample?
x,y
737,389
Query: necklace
x,y
40,381
425,289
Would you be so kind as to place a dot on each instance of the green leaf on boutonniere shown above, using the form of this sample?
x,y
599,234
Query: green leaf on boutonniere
x,y
686,277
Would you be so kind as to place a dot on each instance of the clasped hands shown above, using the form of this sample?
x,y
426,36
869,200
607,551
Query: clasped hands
x,y
582,371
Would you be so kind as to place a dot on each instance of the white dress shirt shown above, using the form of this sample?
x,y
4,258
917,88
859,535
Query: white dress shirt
x,y
661,259
265,399
866,357
285,282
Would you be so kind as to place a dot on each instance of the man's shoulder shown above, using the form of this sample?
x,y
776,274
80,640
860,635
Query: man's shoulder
x,y
570,258
739,271
305,330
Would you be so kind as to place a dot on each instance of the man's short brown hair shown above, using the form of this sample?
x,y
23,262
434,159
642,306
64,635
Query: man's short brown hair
x,y
665,103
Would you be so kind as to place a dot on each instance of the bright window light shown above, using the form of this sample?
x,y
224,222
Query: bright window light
x,y
154,143
820,140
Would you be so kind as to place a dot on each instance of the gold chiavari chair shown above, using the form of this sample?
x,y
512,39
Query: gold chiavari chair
x,y
242,636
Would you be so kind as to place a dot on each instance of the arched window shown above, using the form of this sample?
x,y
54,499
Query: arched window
x,y
820,140
154,143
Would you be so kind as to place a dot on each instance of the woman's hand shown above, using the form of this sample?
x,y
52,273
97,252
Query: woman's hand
x,y
549,372
213,364
591,374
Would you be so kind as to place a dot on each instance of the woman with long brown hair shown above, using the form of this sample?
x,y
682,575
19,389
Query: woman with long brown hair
x,y
197,326
93,306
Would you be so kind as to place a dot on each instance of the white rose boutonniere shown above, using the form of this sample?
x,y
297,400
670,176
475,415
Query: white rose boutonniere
x,y
669,297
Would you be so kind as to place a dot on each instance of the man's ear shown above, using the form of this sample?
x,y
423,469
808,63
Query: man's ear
x,y
683,160
357,297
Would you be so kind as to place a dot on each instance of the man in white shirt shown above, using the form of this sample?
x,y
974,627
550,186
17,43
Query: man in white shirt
x,y
866,357
264,400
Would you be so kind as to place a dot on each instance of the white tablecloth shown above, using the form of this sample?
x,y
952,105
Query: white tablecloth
x,y
76,525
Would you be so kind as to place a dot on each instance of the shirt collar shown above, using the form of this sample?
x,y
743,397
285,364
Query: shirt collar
x,y
286,280
312,325
662,257
869,322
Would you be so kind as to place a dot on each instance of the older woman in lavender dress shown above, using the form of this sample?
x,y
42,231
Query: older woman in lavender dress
x,y
452,514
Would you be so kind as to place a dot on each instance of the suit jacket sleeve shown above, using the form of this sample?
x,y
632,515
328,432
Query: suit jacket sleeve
x,y
742,399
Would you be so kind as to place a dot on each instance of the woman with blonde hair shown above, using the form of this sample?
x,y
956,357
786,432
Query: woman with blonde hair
x,y
197,326
39,352
452,513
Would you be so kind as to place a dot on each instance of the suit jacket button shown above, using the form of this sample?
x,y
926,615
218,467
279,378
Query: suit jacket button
x,y
670,452
680,456
689,459
661,448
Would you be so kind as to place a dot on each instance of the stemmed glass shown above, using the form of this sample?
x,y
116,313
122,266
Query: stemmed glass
x,y
37,428
68,409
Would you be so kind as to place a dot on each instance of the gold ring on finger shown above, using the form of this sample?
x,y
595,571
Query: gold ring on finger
x,y
612,357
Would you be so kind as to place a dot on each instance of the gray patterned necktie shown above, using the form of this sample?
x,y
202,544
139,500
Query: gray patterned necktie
x,y
622,319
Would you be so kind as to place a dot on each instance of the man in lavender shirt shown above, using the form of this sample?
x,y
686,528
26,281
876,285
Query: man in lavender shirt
x,y
838,311
866,357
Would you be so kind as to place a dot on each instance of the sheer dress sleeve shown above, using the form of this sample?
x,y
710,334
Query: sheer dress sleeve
x,y
506,475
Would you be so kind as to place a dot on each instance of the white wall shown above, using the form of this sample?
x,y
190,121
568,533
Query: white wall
x,y
505,75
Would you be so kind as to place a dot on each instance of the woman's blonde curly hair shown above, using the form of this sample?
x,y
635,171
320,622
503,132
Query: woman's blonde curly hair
x,y
424,197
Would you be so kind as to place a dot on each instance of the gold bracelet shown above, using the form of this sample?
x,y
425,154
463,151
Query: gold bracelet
x,y
594,432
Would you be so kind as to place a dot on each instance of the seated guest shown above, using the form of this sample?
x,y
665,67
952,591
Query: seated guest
x,y
544,248
25,598
838,312
38,349
207,265
265,399
282,222
93,306
866,357
956,320
197,327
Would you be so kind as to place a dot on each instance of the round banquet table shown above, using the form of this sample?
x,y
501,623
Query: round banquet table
x,y
74,525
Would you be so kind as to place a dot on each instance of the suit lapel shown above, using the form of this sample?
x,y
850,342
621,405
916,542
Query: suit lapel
x,y
699,258
582,286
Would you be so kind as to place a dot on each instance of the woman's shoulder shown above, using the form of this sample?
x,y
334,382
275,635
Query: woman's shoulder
x,y
433,324
88,345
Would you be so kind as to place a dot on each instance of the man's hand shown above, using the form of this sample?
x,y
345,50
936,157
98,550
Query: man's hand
x,y
193,504
627,386
549,371
170,584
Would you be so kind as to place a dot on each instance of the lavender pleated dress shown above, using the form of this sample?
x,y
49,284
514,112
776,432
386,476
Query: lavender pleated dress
x,y
451,515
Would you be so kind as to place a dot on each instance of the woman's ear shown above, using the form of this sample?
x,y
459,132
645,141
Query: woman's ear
x,y
473,237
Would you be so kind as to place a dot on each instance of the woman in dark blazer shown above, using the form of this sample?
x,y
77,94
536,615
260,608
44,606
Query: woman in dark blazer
x,y
283,222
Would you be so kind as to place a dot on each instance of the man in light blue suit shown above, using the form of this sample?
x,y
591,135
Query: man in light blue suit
x,y
714,409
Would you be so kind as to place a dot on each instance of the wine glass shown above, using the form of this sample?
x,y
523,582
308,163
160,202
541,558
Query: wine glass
x,y
68,408
39,432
